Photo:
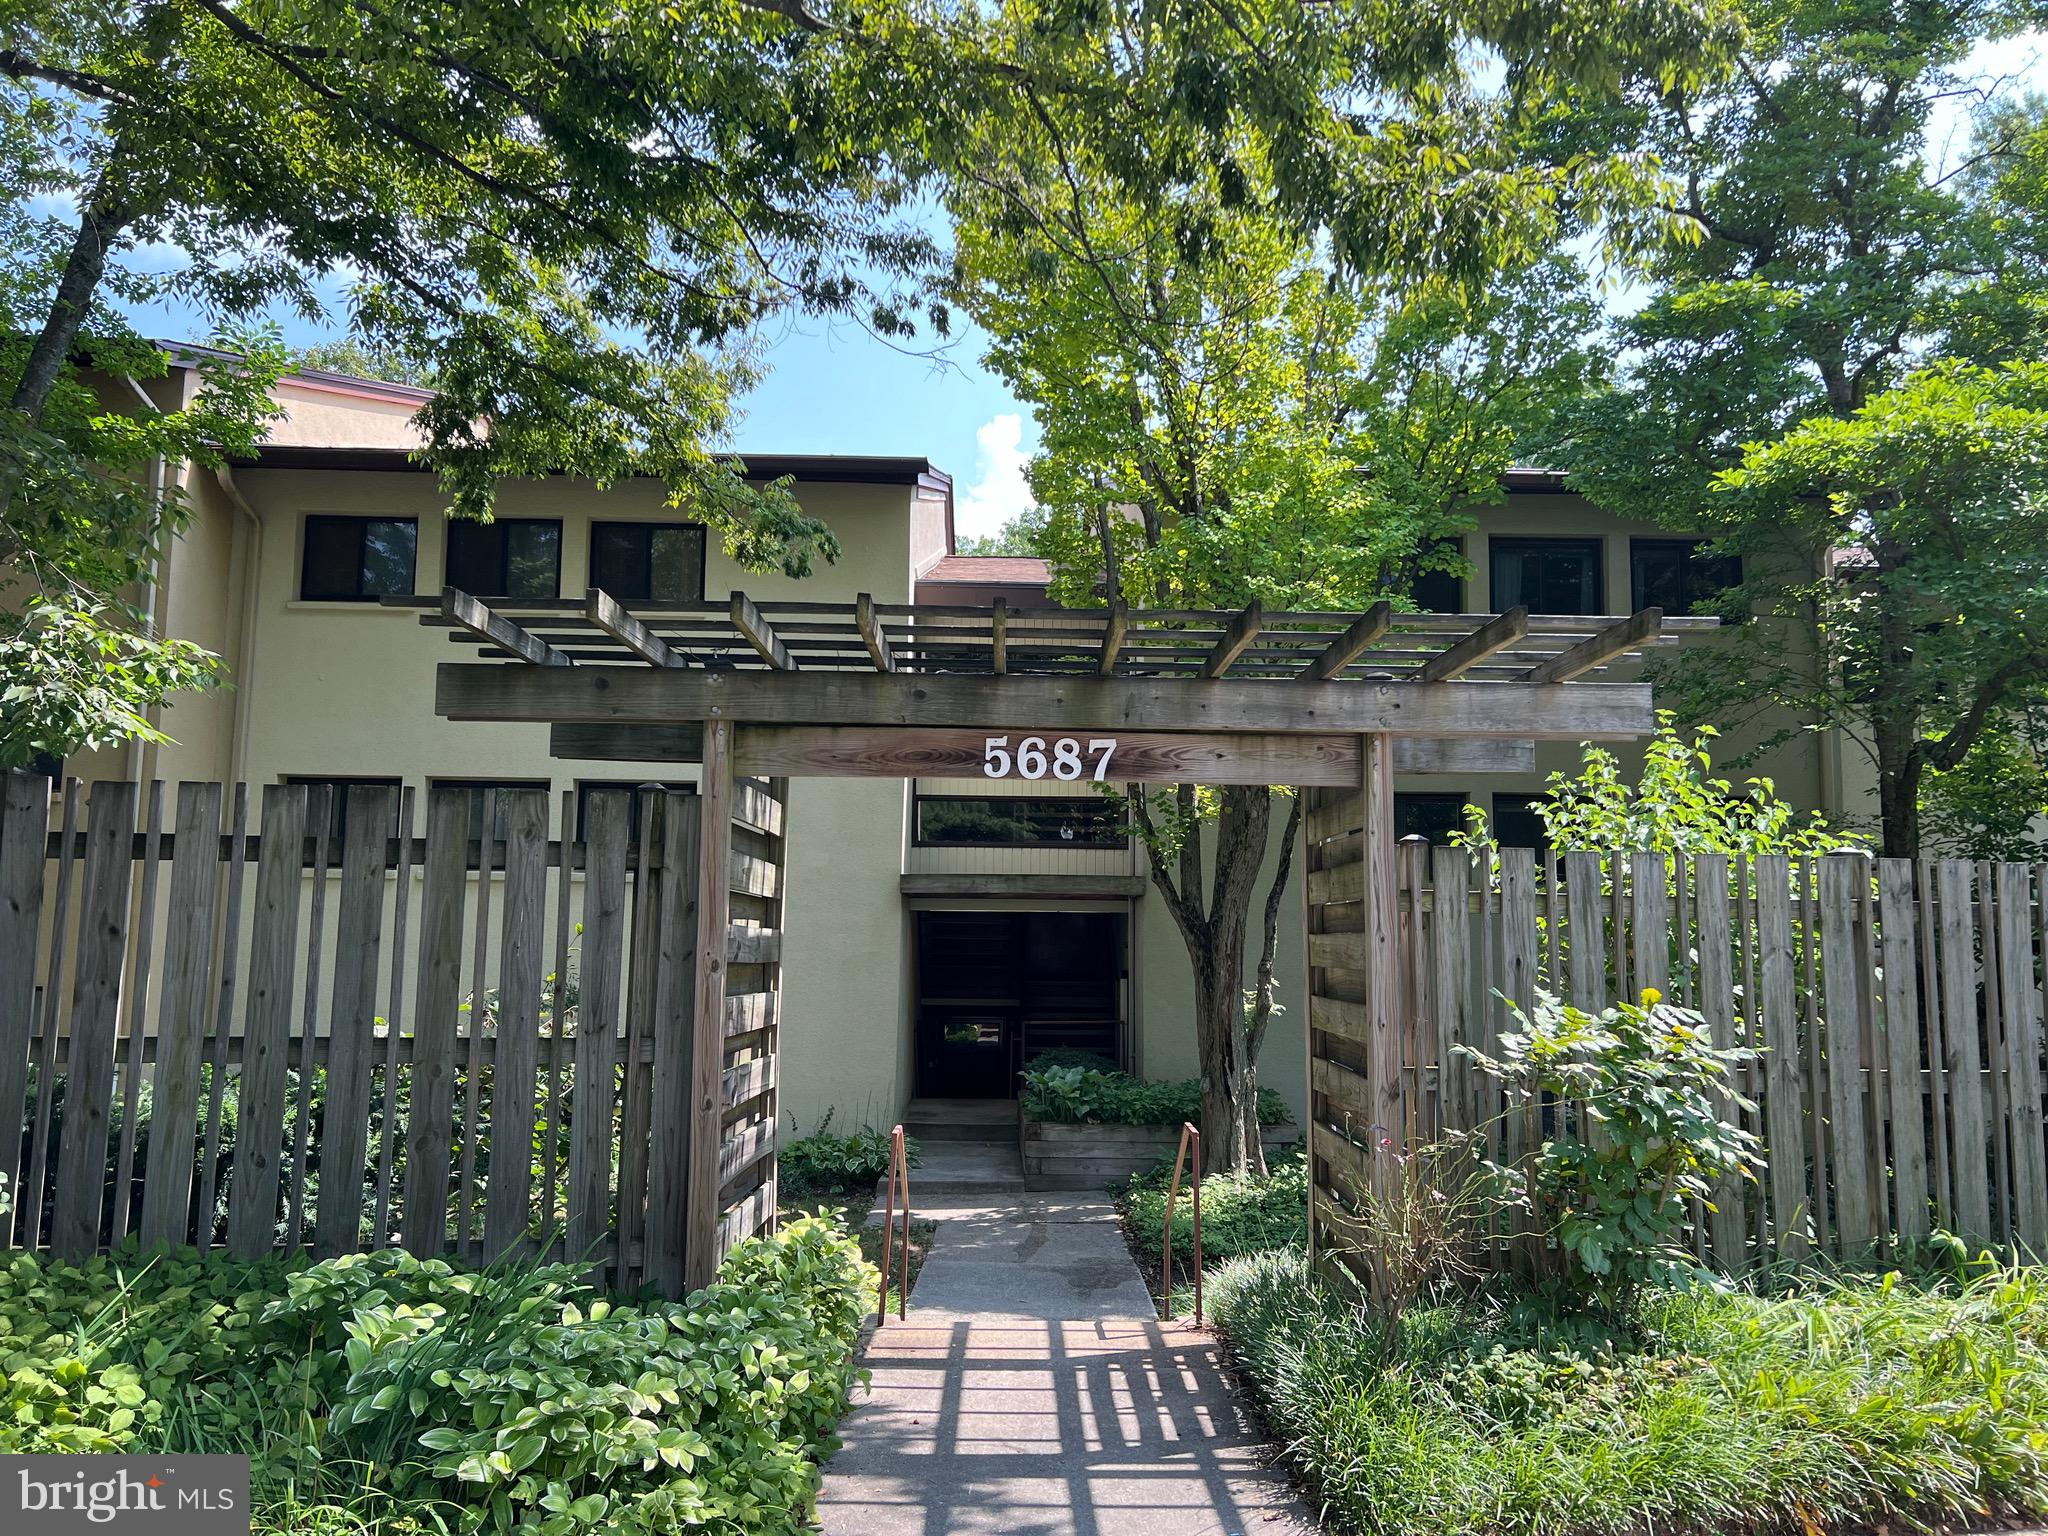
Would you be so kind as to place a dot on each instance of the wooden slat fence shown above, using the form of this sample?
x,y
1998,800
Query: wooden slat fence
x,y
219,1027
1896,1007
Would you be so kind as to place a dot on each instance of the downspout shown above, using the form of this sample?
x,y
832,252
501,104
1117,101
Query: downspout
x,y
152,584
245,627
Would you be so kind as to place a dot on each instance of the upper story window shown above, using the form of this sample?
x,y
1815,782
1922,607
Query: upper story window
x,y
337,798
1516,825
976,821
510,557
1435,817
1548,575
659,563
476,788
358,559
637,793
1677,575
1441,591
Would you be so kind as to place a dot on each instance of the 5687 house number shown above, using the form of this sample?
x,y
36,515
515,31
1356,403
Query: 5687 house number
x,y
1065,757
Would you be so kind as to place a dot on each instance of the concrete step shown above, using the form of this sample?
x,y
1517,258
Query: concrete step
x,y
989,1122
960,1172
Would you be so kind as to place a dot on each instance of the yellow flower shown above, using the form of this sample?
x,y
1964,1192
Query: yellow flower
x,y
1652,997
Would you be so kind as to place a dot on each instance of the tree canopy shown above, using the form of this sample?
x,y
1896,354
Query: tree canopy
x,y
1835,380
1278,282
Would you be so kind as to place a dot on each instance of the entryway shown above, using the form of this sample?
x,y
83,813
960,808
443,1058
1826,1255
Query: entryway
x,y
997,988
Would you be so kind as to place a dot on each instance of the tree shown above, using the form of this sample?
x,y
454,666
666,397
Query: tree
x,y
1263,373
347,355
1849,302
1018,536
570,216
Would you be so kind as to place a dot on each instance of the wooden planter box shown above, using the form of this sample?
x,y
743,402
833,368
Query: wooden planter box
x,y
1062,1156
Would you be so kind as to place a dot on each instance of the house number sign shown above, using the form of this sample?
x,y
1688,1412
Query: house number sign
x,y
1036,757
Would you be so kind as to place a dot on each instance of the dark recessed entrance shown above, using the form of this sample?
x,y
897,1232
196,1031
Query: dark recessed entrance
x,y
995,989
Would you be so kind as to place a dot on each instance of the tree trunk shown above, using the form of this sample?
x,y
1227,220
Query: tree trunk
x,y
1899,768
98,228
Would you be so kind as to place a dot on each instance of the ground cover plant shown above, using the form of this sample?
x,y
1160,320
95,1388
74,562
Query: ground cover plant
x,y
383,1392
1243,1213
1840,1401
825,1163
1082,1095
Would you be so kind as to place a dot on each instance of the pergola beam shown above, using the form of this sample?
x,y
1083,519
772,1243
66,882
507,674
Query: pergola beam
x,y
1495,635
1597,650
466,612
872,634
759,633
1351,644
619,696
609,615
999,636
1244,629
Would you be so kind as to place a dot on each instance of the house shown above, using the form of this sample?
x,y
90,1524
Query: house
x,y
943,926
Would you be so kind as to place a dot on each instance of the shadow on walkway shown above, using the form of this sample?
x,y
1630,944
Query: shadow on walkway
x,y
995,1420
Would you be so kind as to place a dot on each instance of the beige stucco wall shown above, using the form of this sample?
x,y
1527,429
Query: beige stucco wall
x,y
1807,770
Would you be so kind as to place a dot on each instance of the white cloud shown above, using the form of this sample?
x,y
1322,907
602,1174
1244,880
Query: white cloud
x,y
999,491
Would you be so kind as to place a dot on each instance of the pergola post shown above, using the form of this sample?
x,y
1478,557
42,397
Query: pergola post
x,y
1381,918
707,1055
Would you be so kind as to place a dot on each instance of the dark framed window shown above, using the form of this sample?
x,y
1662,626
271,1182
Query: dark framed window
x,y
648,562
337,806
45,765
358,559
1442,591
633,789
476,788
511,557
1515,825
989,821
1677,575
1547,575
1435,817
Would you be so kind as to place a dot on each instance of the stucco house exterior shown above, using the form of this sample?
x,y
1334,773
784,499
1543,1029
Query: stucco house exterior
x,y
938,927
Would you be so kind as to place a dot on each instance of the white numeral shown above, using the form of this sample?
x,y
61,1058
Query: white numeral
x,y
1066,759
1031,757
995,757
1106,745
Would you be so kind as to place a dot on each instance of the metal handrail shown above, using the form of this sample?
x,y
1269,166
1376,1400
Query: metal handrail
x,y
1188,1135
899,1172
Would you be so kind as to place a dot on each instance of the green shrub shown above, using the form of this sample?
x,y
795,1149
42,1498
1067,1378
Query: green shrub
x,y
1082,1096
511,1399
1241,1212
1617,1202
822,1163
1855,1402
1072,1056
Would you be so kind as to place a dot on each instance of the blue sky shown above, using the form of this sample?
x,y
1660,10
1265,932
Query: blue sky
x,y
832,388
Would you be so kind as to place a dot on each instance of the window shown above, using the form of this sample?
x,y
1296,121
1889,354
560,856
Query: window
x,y
337,805
632,787
1548,575
1515,825
1675,574
1435,817
358,559
512,557
1442,591
476,788
648,562
968,821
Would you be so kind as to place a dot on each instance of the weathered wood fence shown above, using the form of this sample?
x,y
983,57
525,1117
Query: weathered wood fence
x,y
457,1044
1896,1008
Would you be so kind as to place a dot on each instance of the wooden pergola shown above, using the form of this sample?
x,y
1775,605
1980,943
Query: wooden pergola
x,y
1334,703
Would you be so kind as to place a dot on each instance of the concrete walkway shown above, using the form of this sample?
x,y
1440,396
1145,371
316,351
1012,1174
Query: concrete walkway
x,y
1033,1392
